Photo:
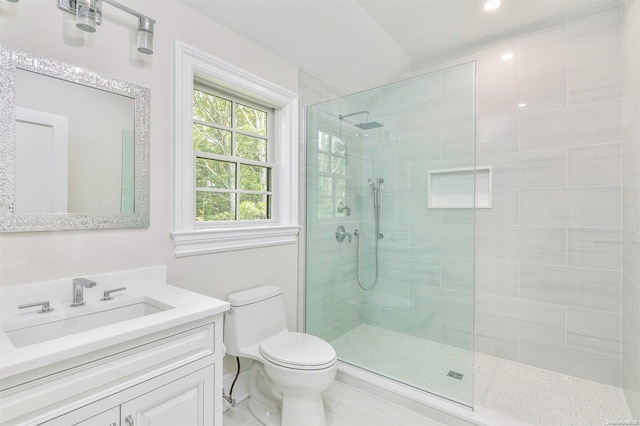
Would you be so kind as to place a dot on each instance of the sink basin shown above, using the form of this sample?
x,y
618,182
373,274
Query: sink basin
x,y
27,333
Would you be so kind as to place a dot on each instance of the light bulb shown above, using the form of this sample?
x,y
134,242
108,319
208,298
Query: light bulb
x,y
145,35
86,15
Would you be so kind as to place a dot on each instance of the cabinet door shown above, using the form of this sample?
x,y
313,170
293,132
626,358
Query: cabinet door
x,y
108,418
187,401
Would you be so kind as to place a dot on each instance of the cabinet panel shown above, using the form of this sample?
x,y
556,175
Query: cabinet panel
x,y
181,402
108,418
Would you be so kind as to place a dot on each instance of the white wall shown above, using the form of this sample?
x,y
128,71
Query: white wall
x,y
41,28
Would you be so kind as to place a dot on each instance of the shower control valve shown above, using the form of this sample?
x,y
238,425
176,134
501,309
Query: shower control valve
x,y
341,233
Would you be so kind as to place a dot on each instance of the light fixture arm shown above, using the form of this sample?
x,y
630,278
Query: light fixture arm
x,y
129,10
70,6
145,23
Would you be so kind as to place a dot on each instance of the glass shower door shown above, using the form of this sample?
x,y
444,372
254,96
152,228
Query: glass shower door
x,y
390,229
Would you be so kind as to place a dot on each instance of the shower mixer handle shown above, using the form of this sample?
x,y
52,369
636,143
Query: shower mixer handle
x,y
341,233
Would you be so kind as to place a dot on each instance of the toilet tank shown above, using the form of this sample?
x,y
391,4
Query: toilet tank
x,y
256,314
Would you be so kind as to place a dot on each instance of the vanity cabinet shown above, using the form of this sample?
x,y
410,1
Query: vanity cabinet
x,y
185,401
169,378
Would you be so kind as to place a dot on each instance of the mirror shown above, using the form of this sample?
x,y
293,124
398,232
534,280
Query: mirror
x,y
74,147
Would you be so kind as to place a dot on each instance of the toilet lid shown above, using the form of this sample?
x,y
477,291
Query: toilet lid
x,y
298,350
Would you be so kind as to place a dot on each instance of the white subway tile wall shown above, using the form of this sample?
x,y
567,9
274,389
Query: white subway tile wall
x,y
564,216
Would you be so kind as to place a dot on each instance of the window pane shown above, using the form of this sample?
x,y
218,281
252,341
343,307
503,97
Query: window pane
x,y
339,147
215,206
251,120
211,108
341,187
251,148
324,162
215,174
338,165
254,178
324,141
210,139
325,185
254,206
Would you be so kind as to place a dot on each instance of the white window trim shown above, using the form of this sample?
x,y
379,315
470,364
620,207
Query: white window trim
x,y
190,238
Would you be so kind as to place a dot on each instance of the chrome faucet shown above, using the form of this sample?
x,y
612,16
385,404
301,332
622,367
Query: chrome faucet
x,y
79,284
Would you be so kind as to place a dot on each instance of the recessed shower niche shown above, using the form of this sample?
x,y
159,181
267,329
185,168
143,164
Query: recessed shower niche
x,y
453,188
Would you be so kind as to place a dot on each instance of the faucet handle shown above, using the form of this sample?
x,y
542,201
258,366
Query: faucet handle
x,y
107,293
45,306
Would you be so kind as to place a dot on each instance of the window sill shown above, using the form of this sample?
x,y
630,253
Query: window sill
x,y
192,243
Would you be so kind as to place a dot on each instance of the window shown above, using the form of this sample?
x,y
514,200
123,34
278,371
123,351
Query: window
x,y
332,175
236,158
232,151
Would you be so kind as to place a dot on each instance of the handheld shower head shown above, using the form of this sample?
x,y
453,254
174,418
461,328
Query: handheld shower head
x,y
371,184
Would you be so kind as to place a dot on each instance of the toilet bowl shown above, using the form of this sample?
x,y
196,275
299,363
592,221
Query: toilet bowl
x,y
290,369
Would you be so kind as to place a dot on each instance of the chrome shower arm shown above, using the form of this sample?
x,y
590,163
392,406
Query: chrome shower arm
x,y
342,117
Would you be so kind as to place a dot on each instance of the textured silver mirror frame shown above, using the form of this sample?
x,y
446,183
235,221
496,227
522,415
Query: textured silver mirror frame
x,y
12,59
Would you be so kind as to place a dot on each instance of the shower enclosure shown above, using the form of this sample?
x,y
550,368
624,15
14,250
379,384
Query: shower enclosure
x,y
390,229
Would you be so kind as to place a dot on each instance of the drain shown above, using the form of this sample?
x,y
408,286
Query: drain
x,y
455,374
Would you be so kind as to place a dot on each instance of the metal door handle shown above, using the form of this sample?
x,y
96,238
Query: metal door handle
x,y
129,420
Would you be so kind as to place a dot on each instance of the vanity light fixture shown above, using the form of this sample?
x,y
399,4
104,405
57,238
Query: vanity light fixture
x,y
522,105
507,56
491,5
89,13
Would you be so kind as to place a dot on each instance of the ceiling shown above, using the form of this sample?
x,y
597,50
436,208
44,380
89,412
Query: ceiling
x,y
358,44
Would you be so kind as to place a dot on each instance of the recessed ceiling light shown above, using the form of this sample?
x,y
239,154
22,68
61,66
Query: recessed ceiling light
x,y
491,4
522,105
507,56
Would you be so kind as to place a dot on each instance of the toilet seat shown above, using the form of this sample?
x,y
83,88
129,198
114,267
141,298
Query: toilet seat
x,y
298,351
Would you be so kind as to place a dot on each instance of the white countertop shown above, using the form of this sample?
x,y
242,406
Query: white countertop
x,y
142,284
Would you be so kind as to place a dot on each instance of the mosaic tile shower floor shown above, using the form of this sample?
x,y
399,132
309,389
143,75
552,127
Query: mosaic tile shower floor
x,y
521,391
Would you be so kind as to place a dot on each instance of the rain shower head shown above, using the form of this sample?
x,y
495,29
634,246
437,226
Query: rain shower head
x,y
365,125
369,125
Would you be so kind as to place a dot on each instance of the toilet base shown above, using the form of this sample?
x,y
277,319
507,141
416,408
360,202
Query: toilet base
x,y
263,414
307,410
285,402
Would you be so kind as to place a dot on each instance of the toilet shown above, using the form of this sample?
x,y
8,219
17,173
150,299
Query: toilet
x,y
290,369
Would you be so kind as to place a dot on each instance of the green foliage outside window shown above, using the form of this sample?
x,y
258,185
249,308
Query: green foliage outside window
x,y
224,134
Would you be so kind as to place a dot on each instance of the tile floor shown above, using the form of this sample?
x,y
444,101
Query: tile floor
x,y
393,355
544,397
531,394
346,406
